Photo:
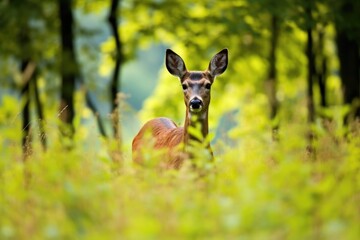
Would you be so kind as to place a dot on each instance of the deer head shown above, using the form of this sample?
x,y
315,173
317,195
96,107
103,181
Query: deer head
x,y
196,85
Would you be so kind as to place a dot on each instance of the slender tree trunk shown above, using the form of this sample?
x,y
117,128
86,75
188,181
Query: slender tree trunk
x,y
348,46
27,68
25,93
40,113
115,83
310,77
69,69
29,80
322,68
271,82
92,105
348,52
310,81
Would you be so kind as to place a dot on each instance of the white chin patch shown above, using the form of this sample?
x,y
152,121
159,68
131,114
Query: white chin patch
x,y
197,110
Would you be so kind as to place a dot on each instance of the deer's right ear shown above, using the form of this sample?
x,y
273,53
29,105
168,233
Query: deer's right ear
x,y
174,64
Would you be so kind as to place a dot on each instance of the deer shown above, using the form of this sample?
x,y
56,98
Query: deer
x,y
164,132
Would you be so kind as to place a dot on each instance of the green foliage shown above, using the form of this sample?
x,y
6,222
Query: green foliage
x,y
255,189
232,24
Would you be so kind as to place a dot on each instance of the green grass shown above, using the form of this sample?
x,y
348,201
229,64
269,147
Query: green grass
x,y
256,189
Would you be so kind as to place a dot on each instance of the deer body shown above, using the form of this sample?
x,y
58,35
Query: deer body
x,y
196,87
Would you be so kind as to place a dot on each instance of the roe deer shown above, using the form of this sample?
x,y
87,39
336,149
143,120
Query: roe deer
x,y
196,86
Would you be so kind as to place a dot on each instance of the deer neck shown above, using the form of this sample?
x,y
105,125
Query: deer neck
x,y
195,120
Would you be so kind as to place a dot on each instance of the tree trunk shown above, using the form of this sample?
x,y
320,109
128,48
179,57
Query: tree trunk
x,y
25,93
69,69
310,82
92,105
348,52
348,46
40,113
115,83
29,80
322,68
271,82
310,76
27,68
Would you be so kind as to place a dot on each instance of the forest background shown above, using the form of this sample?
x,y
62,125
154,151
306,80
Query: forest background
x,y
79,77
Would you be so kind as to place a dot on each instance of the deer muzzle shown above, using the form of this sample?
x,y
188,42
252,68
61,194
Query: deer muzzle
x,y
195,105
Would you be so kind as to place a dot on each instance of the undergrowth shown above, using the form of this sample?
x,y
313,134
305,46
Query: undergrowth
x,y
255,189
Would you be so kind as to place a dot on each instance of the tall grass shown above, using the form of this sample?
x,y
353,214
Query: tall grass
x,y
255,189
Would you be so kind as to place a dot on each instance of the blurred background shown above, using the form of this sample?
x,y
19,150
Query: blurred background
x,y
96,68
79,77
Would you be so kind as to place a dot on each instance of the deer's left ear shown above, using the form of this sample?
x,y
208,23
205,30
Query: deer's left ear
x,y
218,63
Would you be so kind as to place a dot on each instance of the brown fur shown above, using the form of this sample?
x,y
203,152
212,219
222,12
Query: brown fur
x,y
166,134
163,132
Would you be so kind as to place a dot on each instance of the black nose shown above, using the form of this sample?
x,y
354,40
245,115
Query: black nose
x,y
195,103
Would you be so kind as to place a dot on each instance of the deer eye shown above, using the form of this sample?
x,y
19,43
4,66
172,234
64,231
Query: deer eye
x,y
184,86
208,86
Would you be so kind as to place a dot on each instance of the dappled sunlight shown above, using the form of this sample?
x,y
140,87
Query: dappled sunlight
x,y
273,155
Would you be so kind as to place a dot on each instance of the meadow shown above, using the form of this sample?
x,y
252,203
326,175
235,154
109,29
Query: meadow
x,y
256,188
